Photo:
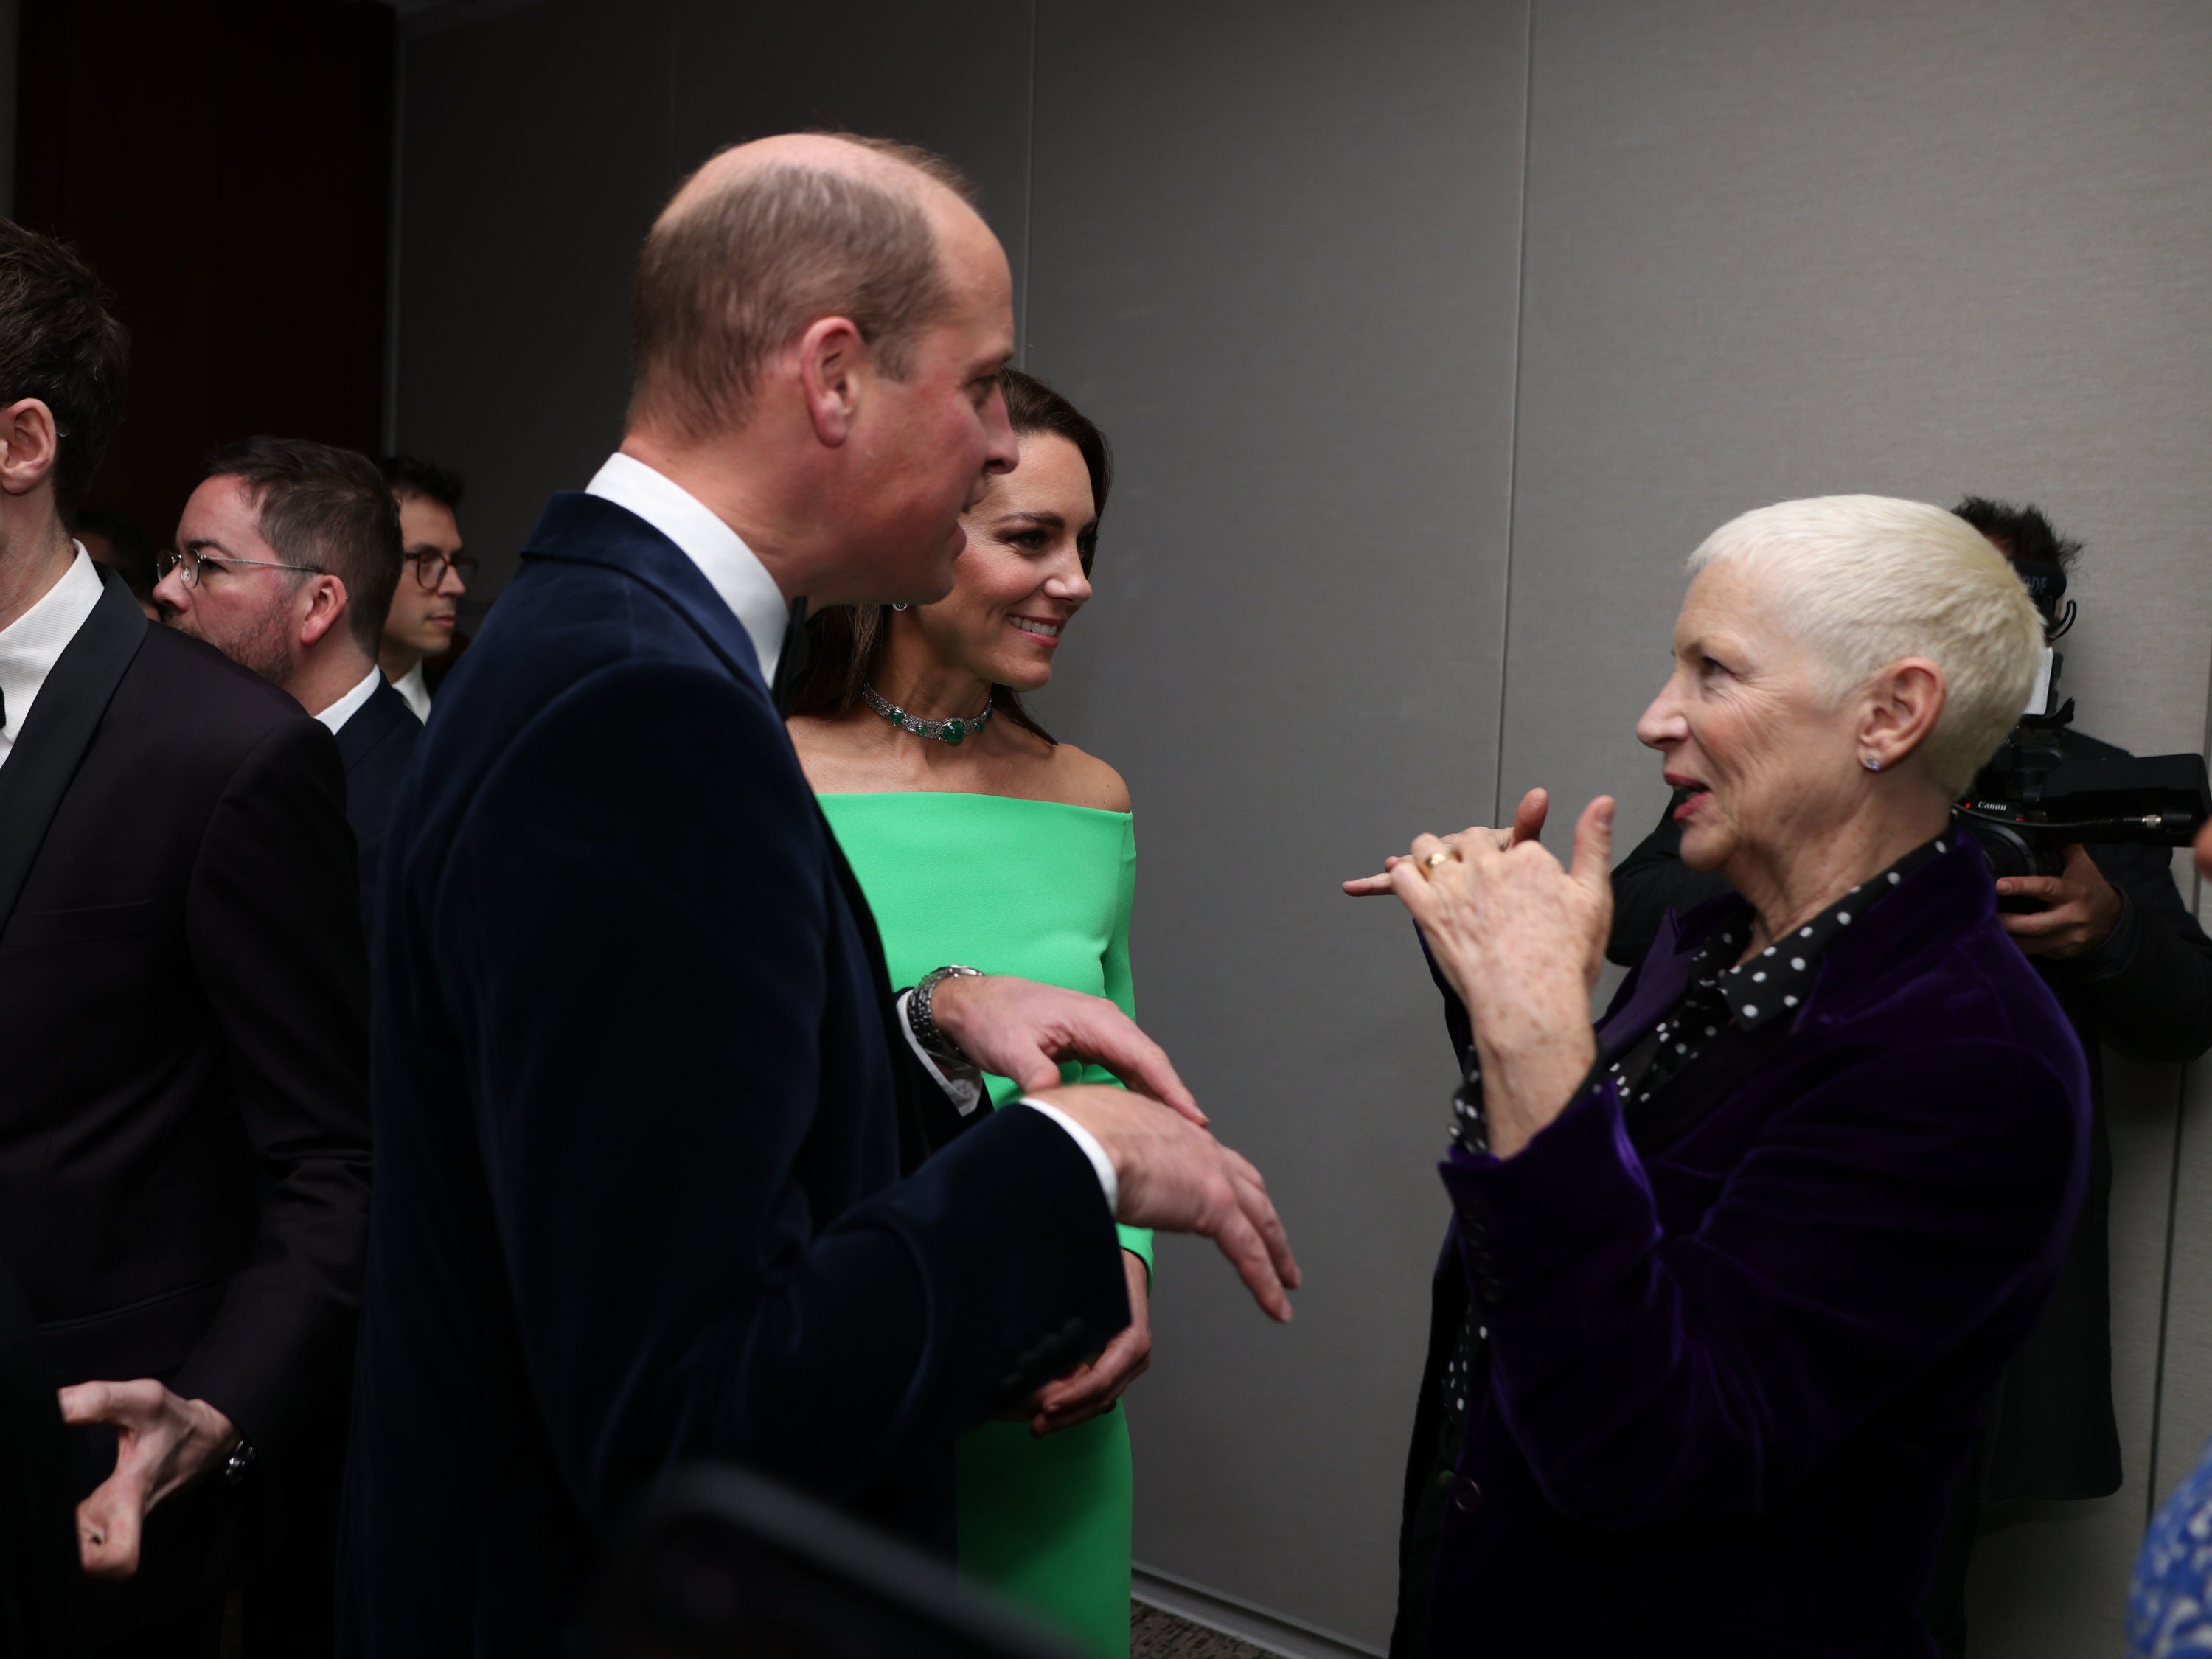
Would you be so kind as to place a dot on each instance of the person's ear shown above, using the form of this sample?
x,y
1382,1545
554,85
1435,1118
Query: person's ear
x,y
1903,703
832,360
30,445
326,604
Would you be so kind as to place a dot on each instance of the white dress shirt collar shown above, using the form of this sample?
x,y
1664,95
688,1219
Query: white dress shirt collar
x,y
31,645
414,686
729,566
350,704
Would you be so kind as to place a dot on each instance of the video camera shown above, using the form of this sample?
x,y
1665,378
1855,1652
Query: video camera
x,y
2031,800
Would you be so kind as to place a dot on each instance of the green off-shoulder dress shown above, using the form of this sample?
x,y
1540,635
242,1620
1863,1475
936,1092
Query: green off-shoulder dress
x,y
1041,890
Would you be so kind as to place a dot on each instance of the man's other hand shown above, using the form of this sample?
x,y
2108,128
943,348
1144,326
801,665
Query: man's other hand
x,y
1019,1029
2081,908
1176,1178
1088,1390
162,1441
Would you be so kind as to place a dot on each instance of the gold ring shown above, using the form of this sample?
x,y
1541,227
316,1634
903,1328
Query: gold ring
x,y
1449,855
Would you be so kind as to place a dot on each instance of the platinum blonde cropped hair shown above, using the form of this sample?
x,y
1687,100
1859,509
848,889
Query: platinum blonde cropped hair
x,y
1868,580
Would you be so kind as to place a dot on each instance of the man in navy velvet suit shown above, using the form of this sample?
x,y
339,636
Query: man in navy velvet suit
x,y
286,559
650,1125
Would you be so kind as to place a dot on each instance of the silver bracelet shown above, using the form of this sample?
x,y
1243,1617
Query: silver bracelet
x,y
929,1036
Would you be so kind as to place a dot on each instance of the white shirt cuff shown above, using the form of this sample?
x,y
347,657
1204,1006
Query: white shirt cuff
x,y
964,1089
1092,1150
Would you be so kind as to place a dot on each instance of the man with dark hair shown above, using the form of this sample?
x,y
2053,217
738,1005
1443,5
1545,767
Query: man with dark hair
x,y
425,610
2130,967
286,559
651,1124
182,1195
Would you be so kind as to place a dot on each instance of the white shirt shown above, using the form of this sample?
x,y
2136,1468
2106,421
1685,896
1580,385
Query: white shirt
x,y
735,572
350,704
412,686
732,568
31,645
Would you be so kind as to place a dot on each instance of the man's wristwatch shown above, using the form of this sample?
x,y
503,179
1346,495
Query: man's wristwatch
x,y
241,1459
923,1022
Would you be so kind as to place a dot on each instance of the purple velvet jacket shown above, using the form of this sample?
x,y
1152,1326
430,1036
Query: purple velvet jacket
x,y
1730,1378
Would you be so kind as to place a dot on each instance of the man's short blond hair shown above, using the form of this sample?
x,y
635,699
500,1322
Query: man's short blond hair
x,y
723,284
1867,581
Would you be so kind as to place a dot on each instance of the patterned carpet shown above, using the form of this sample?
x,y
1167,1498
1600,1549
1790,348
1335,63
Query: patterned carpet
x,y
1157,1635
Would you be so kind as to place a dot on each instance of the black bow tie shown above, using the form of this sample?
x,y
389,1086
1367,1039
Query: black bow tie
x,y
790,661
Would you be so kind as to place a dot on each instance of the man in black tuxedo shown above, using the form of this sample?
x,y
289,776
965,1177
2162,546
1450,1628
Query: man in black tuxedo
x,y
650,1123
302,555
184,1161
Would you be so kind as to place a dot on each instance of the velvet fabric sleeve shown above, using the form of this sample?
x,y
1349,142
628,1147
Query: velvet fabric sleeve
x,y
645,1123
1649,1378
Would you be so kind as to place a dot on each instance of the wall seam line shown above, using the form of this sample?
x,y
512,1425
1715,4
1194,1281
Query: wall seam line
x,y
668,127
394,223
2152,1484
1028,192
2165,1302
1498,813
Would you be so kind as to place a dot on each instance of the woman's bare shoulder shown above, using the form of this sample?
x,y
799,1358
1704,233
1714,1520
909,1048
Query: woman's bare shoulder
x,y
1080,779
835,762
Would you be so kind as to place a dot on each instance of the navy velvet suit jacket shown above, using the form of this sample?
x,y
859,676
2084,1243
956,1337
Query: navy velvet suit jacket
x,y
1730,1376
375,745
642,1135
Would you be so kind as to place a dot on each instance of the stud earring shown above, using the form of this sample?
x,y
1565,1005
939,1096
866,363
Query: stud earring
x,y
1872,762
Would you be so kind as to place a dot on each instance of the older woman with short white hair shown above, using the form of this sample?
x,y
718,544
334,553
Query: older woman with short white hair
x,y
1731,1276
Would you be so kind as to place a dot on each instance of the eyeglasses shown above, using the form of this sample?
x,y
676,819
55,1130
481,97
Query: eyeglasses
x,y
186,563
430,568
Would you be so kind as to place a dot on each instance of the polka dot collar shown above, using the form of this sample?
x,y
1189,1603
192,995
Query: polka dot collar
x,y
1776,981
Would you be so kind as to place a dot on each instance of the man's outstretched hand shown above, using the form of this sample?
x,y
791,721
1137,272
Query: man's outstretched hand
x,y
1175,1177
162,1441
1019,1029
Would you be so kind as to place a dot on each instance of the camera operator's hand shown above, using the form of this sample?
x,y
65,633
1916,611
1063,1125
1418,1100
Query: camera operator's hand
x,y
2081,908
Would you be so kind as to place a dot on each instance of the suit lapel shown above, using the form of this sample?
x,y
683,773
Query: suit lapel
x,y
927,1119
584,529
60,729
371,724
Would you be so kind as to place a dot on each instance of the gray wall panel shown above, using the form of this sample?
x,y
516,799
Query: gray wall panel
x,y
1787,249
534,155
952,75
1273,254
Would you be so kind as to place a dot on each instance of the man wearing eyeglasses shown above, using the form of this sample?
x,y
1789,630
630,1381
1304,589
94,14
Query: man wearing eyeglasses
x,y
184,1121
286,559
425,611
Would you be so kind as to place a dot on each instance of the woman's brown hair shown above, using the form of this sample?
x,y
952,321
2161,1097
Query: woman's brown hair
x,y
846,644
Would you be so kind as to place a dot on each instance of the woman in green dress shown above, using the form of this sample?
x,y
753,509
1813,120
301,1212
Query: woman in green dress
x,y
980,840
